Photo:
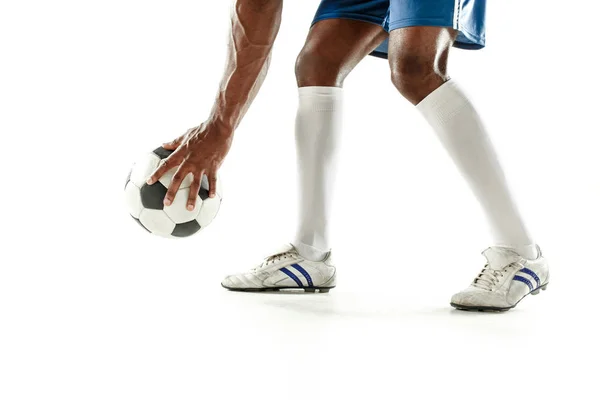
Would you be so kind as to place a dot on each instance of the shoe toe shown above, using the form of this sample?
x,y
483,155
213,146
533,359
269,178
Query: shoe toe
x,y
241,281
478,298
232,282
227,282
464,298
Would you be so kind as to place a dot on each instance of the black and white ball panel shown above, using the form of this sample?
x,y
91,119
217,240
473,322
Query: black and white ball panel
x,y
133,200
143,169
186,229
178,211
145,202
162,153
128,179
203,192
210,208
157,222
168,177
153,195
140,224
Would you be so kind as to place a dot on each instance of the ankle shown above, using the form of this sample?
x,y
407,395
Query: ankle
x,y
528,251
310,253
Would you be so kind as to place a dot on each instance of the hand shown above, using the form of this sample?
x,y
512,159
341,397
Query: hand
x,y
200,151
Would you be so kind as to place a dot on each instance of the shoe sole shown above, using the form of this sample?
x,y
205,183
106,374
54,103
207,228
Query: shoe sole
x,y
279,289
497,309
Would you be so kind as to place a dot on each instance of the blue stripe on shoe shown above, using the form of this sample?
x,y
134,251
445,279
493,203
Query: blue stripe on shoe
x,y
291,275
303,272
532,274
524,280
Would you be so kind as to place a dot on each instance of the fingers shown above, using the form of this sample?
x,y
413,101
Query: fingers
x,y
174,144
212,184
180,174
171,162
194,188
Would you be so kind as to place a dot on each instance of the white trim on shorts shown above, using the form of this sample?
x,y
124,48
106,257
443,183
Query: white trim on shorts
x,y
456,16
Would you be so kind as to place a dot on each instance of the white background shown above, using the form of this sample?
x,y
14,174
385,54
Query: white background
x,y
92,307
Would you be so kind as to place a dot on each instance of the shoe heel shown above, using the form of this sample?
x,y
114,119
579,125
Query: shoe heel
x,y
314,290
537,291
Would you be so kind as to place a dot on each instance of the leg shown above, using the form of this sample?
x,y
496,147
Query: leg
x,y
418,58
333,48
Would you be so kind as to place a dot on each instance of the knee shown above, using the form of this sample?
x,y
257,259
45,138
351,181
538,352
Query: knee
x,y
416,75
315,69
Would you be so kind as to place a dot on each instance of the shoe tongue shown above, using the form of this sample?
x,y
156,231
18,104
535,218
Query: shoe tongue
x,y
283,249
500,257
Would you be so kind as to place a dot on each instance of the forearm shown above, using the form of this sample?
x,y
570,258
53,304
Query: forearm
x,y
254,26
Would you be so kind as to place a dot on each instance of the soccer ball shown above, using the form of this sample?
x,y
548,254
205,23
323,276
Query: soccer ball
x,y
145,202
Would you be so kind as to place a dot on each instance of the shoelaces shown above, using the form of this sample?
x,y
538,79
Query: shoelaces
x,y
488,277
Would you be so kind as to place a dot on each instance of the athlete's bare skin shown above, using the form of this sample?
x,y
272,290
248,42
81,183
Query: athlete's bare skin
x,y
201,150
418,59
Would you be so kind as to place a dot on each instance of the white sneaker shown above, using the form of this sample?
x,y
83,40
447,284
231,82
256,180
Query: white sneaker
x,y
504,281
285,270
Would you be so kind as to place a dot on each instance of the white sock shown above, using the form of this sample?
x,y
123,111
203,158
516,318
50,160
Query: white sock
x,y
318,127
461,131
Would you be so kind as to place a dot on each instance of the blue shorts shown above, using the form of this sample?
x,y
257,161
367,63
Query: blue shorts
x,y
466,16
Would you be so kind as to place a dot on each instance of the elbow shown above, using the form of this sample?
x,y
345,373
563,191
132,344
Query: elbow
x,y
257,21
261,6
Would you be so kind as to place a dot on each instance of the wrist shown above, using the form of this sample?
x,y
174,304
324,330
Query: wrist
x,y
220,127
